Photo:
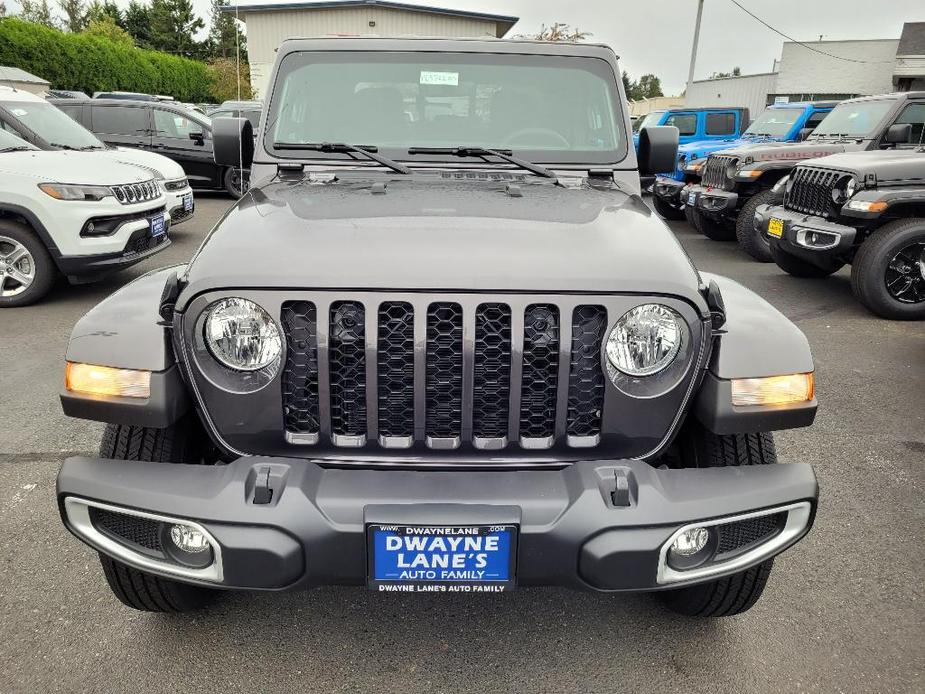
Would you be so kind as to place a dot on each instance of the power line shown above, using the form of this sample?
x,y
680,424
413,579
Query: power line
x,y
805,45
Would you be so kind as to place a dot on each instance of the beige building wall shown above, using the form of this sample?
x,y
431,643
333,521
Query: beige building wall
x,y
266,30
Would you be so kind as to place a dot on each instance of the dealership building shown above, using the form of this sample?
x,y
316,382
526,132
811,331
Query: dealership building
x,y
270,22
808,71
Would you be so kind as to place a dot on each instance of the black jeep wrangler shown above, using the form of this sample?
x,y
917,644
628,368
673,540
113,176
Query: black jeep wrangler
x,y
735,182
864,208
440,345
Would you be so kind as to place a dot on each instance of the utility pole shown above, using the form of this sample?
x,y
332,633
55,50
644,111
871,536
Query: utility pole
x,y
690,73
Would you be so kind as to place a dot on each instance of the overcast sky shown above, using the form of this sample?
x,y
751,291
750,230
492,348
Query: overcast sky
x,y
655,35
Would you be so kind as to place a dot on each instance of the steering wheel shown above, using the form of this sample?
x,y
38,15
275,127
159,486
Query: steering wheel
x,y
547,132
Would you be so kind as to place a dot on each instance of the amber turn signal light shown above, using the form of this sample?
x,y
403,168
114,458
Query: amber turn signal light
x,y
105,380
773,390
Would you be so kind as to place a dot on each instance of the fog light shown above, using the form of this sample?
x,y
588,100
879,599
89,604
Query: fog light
x,y
690,542
188,539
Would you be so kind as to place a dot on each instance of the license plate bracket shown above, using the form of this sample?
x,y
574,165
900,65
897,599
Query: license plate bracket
x,y
157,226
441,558
188,202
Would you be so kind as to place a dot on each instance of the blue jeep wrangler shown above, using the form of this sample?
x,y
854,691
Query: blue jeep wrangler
x,y
716,123
781,122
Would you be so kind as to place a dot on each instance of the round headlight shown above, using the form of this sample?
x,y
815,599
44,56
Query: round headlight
x,y
645,340
851,187
241,335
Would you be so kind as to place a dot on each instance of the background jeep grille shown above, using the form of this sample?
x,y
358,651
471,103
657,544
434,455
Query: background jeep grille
x,y
455,388
713,174
810,190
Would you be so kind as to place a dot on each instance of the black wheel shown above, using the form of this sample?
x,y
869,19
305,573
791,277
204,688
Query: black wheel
x,y
666,210
753,241
179,443
800,268
27,272
237,181
888,273
713,229
737,593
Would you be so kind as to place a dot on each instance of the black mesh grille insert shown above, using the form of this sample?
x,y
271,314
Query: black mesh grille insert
x,y
443,382
347,357
586,377
733,536
300,376
395,365
540,371
492,371
139,531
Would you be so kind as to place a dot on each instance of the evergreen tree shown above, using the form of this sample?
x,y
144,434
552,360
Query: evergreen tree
x,y
75,14
137,22
224,34
98,10
173,27
37,12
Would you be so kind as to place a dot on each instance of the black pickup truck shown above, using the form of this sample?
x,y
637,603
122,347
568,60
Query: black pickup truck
x,y
735,182
441,345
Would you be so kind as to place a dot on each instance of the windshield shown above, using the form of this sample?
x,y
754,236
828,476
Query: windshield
x,y
53,125
544,107
774,122
9,141
853,119
647,120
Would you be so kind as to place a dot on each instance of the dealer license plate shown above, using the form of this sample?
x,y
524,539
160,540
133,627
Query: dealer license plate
x,y
692,199
188,202
463,559
158,226
775,227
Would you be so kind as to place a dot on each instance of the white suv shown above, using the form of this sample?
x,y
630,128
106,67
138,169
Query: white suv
x,y
47,127
72,213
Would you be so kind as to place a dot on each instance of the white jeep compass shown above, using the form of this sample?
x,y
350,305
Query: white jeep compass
x,y
72,213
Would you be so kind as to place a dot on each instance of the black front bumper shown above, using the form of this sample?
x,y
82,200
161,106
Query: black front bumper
x,y
713,201
816,240
572,530
669,190
89,267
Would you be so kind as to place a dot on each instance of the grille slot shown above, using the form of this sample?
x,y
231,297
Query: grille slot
x,y
540,375
347,358
396,373
300,377
735,536
492,375
714,170
444,382
135,530
586,376
810,191
395,366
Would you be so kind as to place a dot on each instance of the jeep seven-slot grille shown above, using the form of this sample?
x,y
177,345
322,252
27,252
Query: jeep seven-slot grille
x,y
458,388
810,190
713,174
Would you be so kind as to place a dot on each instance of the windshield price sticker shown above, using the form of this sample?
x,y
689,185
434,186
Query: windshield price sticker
x,y
445,79
441,559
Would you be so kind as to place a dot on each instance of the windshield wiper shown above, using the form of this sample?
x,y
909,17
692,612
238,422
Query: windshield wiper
x,y
368,151
485,152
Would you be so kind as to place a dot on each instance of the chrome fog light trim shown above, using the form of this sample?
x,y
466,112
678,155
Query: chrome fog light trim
x,y
817,240
77,511
798,515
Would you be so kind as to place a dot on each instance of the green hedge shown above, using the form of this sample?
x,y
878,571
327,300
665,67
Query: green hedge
x,y
90,64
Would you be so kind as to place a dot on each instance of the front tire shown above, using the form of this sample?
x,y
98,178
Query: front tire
x,y
797,267
737,593
666,210
182,442
888,273
27,272
753,241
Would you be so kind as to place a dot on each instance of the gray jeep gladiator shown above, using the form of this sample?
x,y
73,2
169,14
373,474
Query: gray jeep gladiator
x,y
441,345
735,182
863,208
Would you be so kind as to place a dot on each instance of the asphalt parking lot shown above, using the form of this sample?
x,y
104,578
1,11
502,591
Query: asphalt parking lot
x,y
843,611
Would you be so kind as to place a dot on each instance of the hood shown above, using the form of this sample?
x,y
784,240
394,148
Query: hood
x,y
427,232
86,168
888,165
704,147
785,151
152,161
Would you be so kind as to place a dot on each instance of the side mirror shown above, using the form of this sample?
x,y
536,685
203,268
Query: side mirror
x,y
898,134
233,142
804,133
658,149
